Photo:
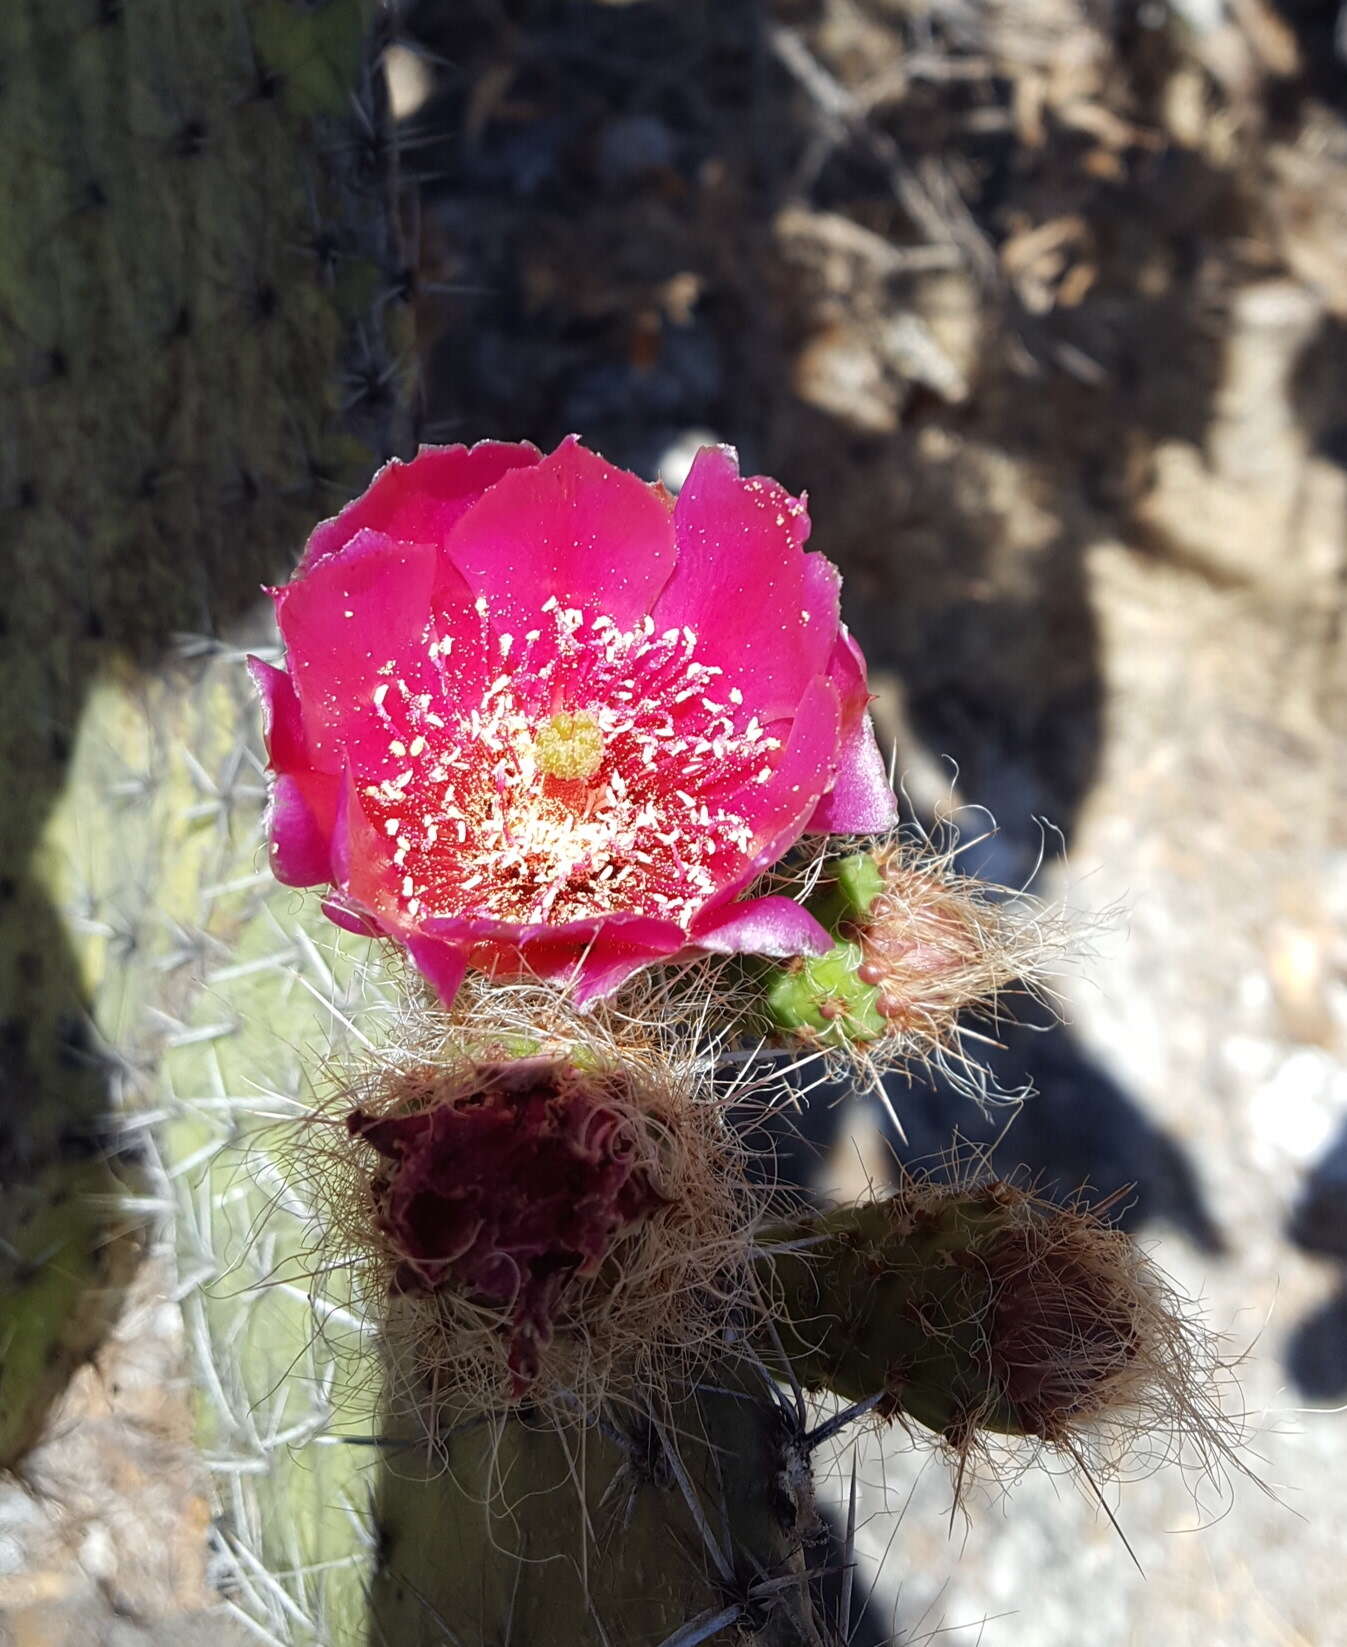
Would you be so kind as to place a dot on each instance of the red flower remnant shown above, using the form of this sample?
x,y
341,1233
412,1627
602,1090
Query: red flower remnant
x,y
1064,1333
539,718
507,1193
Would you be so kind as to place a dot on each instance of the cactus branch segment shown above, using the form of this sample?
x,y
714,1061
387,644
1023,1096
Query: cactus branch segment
x,y
915,946
629,1531
967,1310
972,1310
828,996
198,356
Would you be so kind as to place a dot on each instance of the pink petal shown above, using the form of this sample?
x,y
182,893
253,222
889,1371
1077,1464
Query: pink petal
x,y
621,946
779,809
595,954
362,867
625,927
282,724
349,918
473,659
360,619
861,800
442,965
846,670
553,947
419,502
573,527
300,845
765,612
467,930
597,976
762,926
477,929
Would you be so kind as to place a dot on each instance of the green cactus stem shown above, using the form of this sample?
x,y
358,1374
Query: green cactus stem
x,y
631,1531
967,1310
963,1310
823,996
853,884
915,945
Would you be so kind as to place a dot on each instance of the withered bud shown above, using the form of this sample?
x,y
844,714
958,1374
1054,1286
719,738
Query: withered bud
x,y
507,1189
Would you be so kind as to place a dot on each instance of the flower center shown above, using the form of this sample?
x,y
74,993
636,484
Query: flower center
x,y
501,805
570,746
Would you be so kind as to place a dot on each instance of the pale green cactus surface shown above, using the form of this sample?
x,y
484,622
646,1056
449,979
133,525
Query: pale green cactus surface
x,y
199,309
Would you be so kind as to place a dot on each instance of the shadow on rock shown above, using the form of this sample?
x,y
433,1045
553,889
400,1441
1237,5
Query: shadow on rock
x,y
1080,1134
1316,1353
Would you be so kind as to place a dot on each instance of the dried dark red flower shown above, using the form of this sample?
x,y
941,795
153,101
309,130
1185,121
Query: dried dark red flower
x,y
518,1185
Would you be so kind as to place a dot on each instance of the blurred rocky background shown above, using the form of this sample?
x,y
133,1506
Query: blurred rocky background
x,y
1044,302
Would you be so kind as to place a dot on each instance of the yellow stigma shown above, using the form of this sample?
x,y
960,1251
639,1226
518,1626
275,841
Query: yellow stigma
x,y
569,745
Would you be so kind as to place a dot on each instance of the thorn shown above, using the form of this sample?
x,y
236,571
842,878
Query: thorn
x,y
1103,1503
848,1560
718,1555
702,1628
839,1421
450,1635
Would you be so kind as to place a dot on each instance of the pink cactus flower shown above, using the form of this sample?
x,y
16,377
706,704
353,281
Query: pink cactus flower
x,y
540,718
